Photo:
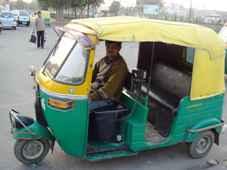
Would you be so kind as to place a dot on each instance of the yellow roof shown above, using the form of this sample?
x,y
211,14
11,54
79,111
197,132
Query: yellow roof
x,y
134,29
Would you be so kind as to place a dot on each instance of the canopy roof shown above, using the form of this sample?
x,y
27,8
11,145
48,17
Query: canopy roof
x,y
208,67
134,29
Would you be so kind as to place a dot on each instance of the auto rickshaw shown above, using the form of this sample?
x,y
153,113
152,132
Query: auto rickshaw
x,y
174,95
46,17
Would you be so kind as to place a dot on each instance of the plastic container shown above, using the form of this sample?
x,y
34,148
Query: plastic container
x,y
105,123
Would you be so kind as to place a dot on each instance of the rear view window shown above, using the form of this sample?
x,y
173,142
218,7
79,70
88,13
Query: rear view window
x,y
190,55
23,13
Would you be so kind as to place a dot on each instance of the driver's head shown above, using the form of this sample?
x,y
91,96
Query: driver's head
x,y
39,13
112,48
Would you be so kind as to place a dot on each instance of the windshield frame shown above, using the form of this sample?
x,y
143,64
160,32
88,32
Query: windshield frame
x,y
49,54
53,77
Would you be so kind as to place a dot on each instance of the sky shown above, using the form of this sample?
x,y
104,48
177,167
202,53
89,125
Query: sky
x,y
200,4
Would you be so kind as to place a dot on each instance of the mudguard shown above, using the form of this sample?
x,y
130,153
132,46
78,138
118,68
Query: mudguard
x,y
213,124
33,131
23,130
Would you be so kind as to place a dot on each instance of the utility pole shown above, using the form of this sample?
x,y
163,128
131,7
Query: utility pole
x,y
7,5
190,12
88,8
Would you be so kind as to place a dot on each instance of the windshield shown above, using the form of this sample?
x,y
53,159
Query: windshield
x,y
68,60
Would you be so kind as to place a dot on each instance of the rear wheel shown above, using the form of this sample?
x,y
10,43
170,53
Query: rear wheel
x,y
31,151
202,145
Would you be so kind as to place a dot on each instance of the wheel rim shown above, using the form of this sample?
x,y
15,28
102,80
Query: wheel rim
x,y
203,145
33,149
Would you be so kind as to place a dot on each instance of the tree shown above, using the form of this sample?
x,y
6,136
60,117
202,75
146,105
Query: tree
x,y
80,5
76,5
20,4
115,7
94,3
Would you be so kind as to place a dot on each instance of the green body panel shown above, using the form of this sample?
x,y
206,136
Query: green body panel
x,y
47,21
190,115
34,131
135,124
70,127
110,155
195,115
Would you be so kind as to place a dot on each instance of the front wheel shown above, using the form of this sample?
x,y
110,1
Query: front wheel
x,y
202,145
31,151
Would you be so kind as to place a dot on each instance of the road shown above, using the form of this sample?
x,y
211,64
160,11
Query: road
x,y
16,55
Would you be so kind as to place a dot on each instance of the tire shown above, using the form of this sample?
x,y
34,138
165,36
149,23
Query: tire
x,y
31,151
202,145
14,28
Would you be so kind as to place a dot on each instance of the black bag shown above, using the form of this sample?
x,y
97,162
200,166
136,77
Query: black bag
x,y
33,38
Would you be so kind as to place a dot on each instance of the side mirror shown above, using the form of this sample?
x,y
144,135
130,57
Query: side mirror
x,y
32,71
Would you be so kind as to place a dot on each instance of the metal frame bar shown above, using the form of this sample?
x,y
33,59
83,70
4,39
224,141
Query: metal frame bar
x,y
206,128
13,115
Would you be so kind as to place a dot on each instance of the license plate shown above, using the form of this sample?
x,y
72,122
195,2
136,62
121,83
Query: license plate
x,y
24,23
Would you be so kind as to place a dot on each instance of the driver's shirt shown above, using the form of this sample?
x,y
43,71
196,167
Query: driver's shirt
x,y
108,78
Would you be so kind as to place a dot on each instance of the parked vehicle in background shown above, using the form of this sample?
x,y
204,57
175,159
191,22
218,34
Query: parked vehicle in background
x,y
8,21
46,17
223,35
24,18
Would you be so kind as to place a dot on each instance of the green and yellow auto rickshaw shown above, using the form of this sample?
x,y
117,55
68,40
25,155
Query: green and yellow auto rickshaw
x,y
174,95
46,17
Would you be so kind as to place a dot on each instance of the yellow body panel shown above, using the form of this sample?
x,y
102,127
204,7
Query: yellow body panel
x,y
55,87
208,75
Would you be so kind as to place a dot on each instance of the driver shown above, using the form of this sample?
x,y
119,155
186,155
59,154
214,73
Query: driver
x,y
108,78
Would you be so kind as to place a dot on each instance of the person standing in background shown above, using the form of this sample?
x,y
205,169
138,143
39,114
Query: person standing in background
x,y
40,30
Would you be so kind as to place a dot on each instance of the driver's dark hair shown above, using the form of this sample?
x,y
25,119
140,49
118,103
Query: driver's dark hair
x,y
115,42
